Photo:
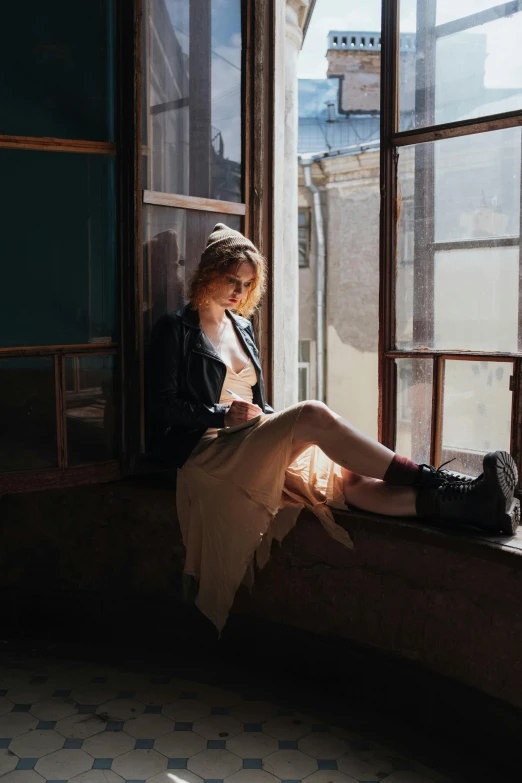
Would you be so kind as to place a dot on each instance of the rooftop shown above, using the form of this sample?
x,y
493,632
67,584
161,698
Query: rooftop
x,y
365,41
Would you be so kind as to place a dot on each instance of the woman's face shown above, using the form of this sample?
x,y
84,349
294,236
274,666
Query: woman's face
x,y
236,284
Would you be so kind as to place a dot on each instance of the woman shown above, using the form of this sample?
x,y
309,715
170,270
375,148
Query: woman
x,y
246,472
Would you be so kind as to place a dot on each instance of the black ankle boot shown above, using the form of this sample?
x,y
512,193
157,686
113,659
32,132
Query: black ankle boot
x,y
486,502
430,477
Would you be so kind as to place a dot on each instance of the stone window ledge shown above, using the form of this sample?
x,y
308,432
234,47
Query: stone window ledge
x,y
460,539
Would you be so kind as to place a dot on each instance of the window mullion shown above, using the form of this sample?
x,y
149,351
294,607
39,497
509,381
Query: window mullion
x,y
516,417
61,427
437,399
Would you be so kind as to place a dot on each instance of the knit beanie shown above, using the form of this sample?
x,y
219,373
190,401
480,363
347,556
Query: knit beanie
x,y
221,241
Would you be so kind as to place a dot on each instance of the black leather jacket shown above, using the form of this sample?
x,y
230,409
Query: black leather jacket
x,y
186,376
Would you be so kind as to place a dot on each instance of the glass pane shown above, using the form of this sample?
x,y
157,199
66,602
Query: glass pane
x,y
476,412
414,401
458,243
175,239
304,351
57,65
90,413
302,383
27,414
58,242
193,95
465,61
476,299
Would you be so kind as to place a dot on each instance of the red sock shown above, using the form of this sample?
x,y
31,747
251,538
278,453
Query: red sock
x,y
402,472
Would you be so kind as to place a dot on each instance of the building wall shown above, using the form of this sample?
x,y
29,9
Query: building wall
x,y
360,82
350,186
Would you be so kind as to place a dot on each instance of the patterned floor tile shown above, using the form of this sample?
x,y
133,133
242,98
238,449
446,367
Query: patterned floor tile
x,y
186,710
80,726
139,764
252,776
287,728
369,768
82,723
180,744
53,709
92,695
63,764
12,724
36,743
149,726
182,776
97,776
289,764
157,694
212,764
8,761
30,694
217,727
6,705
108,744
329,776
23,776
121,709
323,745
255,745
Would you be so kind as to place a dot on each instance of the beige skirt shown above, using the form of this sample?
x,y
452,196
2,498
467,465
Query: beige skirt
x,y
239,492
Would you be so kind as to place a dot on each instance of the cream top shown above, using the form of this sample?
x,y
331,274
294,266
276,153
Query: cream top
x,y
240,383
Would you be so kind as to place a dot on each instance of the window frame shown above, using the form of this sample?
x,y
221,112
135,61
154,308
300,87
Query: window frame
x,y
391,141
257,212
308,238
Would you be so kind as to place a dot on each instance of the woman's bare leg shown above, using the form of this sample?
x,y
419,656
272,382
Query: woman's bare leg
x,y
345,445
370,494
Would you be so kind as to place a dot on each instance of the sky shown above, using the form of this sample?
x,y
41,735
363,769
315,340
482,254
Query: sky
x,y
503,66
334,15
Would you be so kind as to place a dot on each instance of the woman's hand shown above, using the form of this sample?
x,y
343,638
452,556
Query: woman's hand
x,y
241,411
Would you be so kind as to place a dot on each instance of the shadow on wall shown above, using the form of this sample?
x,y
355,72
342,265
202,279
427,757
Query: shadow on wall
x,y
166,276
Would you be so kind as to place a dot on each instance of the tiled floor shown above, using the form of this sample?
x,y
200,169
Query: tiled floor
x,y
64,722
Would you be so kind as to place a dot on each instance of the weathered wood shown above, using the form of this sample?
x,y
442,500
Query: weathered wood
x,y
437,403
516,418
472,356
57,145
479,18
474,244
200,84
31,480
193,202
388,225
129,382
96,349
510,119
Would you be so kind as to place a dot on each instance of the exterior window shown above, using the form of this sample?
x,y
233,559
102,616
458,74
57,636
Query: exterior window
x,y
104,220
304,237
303,370
193,129
59,320
451,359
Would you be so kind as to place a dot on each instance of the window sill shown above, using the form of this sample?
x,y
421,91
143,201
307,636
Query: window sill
x,y
460,539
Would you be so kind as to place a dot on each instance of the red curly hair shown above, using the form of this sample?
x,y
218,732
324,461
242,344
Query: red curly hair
x,y
208,277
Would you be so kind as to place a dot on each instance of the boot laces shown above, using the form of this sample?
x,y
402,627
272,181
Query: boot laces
x,y
448,476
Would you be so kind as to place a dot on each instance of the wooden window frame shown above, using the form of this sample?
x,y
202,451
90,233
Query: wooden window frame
x,y
257,212
257,157
391,140
123,149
